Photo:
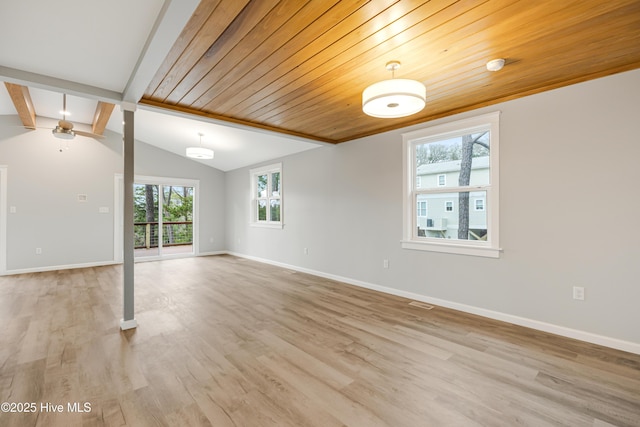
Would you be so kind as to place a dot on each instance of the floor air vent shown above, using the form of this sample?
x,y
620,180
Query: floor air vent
x,y
421,305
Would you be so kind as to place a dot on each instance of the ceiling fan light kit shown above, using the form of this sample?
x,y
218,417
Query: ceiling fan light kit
x,y
200,152
395,97
64,129
62,133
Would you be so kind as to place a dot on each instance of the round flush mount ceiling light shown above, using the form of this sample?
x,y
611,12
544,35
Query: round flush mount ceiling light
x,y
395,97
495,64
200,152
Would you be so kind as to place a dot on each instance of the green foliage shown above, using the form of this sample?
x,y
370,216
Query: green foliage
x,y
262,185
178,203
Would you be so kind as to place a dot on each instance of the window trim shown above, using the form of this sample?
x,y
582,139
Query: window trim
x,y
444,180
253,214
491,247
484,204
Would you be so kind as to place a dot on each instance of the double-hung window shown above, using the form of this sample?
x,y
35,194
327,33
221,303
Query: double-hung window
x,y
466,153
266,199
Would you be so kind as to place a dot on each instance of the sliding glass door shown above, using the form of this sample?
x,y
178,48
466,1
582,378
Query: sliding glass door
x,y
163,219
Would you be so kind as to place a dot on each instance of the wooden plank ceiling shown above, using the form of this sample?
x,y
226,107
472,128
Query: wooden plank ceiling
x,y
299,67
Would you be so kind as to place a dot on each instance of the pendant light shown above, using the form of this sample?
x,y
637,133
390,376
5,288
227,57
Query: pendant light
x,y
200,152
395,97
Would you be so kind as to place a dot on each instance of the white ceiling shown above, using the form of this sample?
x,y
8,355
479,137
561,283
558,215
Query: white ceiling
x,y
109,51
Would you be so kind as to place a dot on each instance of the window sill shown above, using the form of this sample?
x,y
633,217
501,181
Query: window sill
x,y
267,225
452,248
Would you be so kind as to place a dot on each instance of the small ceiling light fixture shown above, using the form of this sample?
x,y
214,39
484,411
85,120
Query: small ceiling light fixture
x,y
495,64
395,97
200,152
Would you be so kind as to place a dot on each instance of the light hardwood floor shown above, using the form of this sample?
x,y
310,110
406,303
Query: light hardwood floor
x,y
224,341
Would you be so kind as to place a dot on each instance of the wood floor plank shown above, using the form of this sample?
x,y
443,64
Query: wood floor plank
x,y
346,410
282,402
305,361
225,341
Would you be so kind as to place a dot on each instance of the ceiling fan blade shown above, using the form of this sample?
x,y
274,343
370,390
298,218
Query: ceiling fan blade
x,y
88,134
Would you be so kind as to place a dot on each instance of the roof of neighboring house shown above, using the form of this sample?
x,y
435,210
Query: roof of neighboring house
x,y
452,166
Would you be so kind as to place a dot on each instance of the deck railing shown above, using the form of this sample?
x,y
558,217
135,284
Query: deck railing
x,y
174,233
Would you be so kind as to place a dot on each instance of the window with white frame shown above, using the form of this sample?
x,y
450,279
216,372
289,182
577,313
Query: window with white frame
x,y
266,196
458,162
448,206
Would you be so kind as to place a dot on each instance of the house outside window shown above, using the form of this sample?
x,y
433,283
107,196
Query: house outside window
x,y
448,206
457,164
266,200
422,209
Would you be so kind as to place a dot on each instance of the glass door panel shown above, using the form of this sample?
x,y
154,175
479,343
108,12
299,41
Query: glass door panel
x,y
146,225
177,220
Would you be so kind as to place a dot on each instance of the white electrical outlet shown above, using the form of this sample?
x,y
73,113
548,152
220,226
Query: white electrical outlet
x,y
385,263
38,251
306,251
578,293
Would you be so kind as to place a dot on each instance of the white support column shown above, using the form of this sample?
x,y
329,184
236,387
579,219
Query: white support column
x,y
128,321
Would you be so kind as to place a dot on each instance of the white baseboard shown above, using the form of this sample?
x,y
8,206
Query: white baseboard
x,y
98,264
212,253
618,344
59,267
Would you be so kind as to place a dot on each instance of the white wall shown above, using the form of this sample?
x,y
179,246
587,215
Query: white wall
x,y
569,216
43,184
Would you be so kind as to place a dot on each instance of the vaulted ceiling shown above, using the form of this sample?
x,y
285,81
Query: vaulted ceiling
x,y
298,67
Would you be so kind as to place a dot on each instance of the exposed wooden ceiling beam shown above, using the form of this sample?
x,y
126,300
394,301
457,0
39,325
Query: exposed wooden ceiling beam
x,y
101,117
24,106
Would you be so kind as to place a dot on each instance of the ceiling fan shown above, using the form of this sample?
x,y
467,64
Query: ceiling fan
x,y
64,130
